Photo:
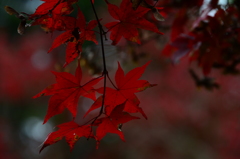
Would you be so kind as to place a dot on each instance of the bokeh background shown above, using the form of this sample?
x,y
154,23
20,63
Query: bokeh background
x,y
184,122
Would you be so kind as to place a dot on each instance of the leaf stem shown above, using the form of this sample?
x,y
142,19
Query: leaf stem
x,y
91,80
111,28
112,82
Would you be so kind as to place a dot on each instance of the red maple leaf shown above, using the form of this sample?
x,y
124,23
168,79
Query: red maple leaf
x,y
113,123
45,7
54,7
125,89
67,91
71,131
52,15
64,8
50,23
129,22
76,37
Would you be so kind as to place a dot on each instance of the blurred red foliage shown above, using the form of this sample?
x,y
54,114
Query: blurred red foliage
x,y
24,65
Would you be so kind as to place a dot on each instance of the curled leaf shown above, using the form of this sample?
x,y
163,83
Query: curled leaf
x,y
11,11
157,15
21,27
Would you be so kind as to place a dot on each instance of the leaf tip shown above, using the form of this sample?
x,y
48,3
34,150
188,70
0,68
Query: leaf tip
x,y
119,64
38,95
45,120
43,147
152,85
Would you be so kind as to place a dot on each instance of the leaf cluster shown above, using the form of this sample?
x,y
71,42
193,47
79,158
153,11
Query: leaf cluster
x,y
115,103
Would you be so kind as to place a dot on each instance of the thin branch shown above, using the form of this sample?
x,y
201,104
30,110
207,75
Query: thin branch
x,y
105,72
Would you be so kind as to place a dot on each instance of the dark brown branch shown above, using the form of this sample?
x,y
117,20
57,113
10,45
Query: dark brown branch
x,y
105,72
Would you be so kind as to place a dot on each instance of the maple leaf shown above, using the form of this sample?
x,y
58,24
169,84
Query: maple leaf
x,y
60,7
63,8
50,23
129,21
71,131
113,123
126,86
76,37
45,7
52,15
67,91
